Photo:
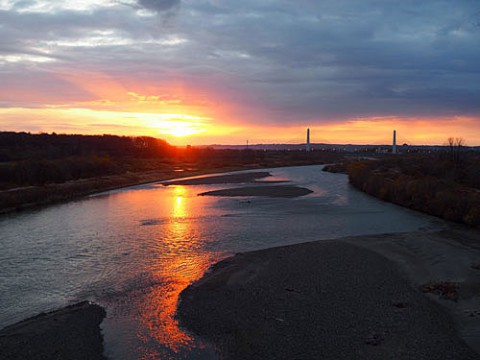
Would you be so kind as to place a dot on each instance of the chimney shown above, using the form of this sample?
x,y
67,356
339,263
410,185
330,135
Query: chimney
x,y
308,140
394,147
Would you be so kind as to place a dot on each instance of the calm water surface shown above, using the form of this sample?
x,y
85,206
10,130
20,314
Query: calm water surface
x,y
134,250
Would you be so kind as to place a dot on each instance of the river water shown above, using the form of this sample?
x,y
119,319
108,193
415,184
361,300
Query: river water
x,y
134,250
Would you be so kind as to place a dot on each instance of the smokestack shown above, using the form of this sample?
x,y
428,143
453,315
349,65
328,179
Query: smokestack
x,y
308,140
394,147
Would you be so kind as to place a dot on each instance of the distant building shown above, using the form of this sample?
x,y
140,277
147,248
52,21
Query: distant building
x,y
308,148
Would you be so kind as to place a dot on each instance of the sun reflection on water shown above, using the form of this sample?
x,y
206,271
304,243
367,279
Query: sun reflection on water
x,y
183,261
179,207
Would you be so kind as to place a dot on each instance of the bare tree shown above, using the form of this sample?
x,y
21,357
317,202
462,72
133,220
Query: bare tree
x,y
455,146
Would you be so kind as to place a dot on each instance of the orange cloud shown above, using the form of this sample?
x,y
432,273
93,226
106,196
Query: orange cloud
x,y
99,84
176,120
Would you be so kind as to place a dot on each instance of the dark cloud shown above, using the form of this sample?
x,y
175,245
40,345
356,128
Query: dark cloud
x,y
159,5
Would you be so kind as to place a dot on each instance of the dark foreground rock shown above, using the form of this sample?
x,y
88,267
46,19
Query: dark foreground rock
x,y
323,300
269,191
70,333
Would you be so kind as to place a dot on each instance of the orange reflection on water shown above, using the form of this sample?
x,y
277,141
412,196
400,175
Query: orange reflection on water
x,y
184,262
179,208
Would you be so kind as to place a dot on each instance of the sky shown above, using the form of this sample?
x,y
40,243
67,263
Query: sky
x,y
226,72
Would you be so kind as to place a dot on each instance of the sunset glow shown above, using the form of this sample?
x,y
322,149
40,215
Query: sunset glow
x,y
179,125
188,72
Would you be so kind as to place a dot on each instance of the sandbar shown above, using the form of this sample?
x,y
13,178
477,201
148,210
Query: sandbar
x,y
286,191
222,179
353,298
70,333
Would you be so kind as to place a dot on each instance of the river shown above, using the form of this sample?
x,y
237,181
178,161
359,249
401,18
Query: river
x,y
134,250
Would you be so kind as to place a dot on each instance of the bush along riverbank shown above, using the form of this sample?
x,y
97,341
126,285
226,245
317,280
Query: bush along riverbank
x,y
436,184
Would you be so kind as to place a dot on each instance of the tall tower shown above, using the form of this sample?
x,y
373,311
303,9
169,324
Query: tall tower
x,y
394,147
308,141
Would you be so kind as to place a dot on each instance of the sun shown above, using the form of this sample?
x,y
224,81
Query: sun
x,y
175,125
181,129
182,125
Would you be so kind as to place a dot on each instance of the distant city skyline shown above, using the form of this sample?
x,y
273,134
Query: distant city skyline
x,y
224,72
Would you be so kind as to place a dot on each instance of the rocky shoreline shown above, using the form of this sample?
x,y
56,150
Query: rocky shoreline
x,y
351,298
70,333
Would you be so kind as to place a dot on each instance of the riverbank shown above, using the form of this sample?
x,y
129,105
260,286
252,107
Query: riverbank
x,y
69,333
358,297
22,198
430,184
35,196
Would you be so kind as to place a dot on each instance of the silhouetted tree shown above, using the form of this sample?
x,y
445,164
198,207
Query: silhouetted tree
x,y
455,146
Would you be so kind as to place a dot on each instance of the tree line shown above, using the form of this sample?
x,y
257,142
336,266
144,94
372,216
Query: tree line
x,y
26,146
446,185
36,159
